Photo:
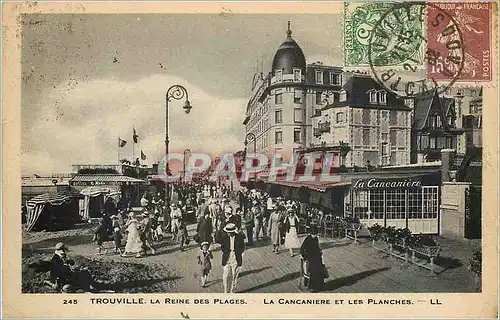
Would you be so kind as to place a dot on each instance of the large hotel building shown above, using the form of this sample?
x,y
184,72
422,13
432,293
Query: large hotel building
x,y
403,161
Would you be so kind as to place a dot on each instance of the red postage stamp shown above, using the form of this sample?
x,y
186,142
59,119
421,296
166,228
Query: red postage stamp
x,y
459,41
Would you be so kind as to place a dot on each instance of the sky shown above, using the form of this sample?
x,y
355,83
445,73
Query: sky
x,y
87,79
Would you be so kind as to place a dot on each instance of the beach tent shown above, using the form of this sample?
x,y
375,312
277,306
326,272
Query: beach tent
x,y
47,211
94,199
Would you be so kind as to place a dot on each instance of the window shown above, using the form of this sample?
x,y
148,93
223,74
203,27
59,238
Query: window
x,y
360,203
278,98
278,116
297,115
424,142
343,96
297,75
335,78
279,75
432,143
430,202
394,135
383,97
319,77
297,136
377,204
373,96
401,138
278,137
319,97
393,121
438,122
366,116
415,204
366,137
297,96
441,142
409,102
340,117
395,204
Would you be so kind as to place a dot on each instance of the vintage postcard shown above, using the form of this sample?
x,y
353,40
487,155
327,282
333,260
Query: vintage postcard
x,y
250,160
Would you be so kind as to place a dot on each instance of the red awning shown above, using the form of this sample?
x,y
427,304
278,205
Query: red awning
x,y
320,186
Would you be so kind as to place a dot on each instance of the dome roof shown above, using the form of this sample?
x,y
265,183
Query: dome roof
x,y
289,55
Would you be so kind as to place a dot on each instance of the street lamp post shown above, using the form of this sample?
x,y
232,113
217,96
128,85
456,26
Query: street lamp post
x,y
184,165
176,92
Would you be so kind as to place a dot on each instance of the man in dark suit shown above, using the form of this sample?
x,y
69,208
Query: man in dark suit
x,y
232,247
60,270
232,218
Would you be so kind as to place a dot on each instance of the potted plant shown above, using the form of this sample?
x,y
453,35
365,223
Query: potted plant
x,y
376,232
475,266
424,244
401,237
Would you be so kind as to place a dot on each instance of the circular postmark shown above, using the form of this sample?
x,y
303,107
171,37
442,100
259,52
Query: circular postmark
x,y
414,40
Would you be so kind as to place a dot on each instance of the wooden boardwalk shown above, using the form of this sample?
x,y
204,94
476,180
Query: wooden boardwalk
x,y
353,268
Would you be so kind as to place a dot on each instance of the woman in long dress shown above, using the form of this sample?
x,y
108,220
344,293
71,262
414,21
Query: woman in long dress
x,y
134,243
274,221
291,239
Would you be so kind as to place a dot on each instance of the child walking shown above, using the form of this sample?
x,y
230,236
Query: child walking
x,y
204,259
117,239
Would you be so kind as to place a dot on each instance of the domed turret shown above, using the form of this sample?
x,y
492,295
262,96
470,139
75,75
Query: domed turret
x,y
289,55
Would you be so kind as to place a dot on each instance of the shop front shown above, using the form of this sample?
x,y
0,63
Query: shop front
x,y
401,201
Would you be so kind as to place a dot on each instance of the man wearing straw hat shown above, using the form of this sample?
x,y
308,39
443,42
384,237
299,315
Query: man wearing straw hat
x,y
232,247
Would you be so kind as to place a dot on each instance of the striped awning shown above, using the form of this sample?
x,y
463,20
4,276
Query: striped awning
x,y
54,199
320,186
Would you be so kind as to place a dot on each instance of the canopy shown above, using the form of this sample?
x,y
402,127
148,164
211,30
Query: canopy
x,y
97,191
50,210
102,193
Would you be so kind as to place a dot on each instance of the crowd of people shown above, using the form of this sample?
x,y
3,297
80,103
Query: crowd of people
x,y
231,220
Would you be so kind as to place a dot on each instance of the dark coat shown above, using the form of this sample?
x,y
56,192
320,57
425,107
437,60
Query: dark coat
x,y
239,247
205,229
60,272
236,219
311,252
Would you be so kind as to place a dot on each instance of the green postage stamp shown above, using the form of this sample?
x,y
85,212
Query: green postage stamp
x,y
367,26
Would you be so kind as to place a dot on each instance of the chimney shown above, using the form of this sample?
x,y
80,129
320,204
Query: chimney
x,y
447,158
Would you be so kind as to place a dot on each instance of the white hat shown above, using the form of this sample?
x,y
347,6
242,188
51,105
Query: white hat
x,y
204,243
230,227
228,209
61,247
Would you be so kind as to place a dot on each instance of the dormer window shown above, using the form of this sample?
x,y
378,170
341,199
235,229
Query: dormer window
x,y
382,97
319,77
279,75
373,96
335,78
297,75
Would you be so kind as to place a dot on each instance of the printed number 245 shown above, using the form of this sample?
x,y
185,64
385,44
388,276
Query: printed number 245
x,y
72,301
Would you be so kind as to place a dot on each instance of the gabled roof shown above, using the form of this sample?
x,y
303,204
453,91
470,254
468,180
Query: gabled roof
x,y
358,87
423,105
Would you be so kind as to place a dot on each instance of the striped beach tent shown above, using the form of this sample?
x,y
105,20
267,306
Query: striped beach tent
x,y
95,197
50,207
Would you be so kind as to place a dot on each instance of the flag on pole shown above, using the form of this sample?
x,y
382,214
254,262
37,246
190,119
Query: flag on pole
x,y
135,136
121,143
143,156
